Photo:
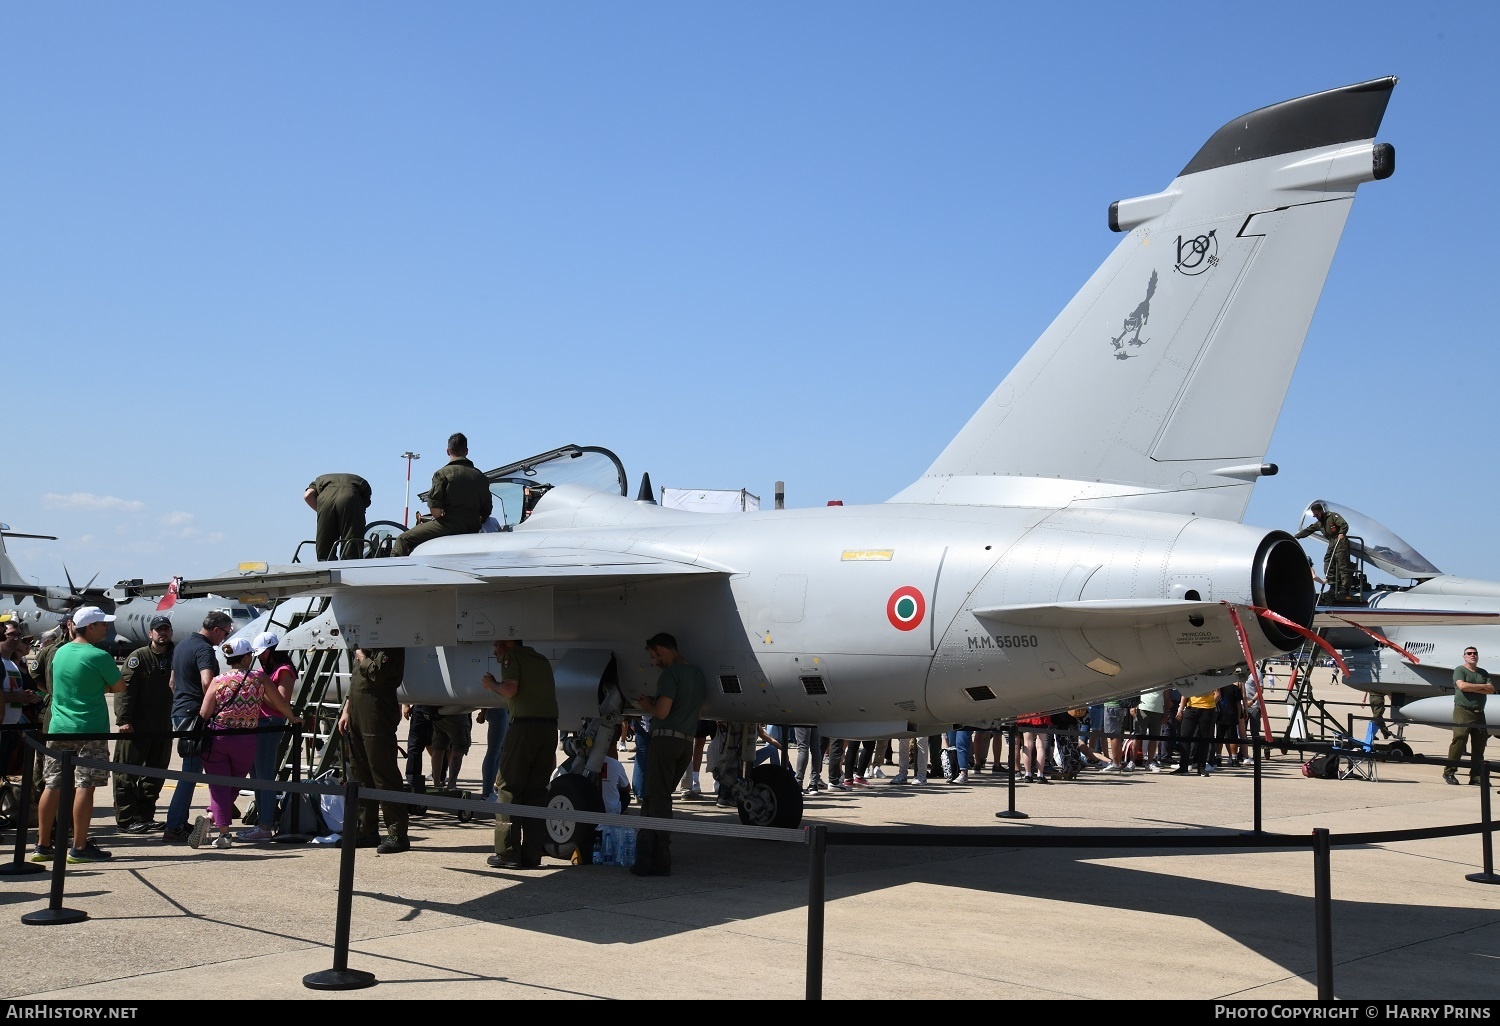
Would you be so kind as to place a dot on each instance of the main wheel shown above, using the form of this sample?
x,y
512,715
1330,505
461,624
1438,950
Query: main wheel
x,y
774,799
1398,751
571,792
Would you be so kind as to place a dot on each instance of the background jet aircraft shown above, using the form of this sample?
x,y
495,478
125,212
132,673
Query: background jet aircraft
x,y
134,612
1078,539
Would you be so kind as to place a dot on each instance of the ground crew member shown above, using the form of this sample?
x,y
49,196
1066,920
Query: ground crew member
x,y
340,501
144,708
1338,569
1470,686
368,721
459,500
529,754
674,712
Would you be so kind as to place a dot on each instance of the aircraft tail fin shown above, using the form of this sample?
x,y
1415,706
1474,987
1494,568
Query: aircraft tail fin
x,y
170,598
1160,383
8,572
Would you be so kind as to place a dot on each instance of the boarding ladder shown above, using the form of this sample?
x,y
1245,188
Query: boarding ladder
x,y
1310,719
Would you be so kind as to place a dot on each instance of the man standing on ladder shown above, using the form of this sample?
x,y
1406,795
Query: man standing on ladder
x,y
1338,569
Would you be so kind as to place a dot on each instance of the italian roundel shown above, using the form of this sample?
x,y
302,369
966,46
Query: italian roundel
x,y
905,608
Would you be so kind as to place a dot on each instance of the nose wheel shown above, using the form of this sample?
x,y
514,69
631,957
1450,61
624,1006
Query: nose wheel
x,y
773,799
571,792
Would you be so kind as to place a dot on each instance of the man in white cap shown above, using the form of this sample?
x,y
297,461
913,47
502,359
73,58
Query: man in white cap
x,y
82,674
283,677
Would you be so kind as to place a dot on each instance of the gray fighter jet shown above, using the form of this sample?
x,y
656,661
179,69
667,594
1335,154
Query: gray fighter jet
x,y
1078,539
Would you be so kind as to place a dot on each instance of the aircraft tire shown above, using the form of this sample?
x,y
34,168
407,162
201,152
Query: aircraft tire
x,y
1398,751
571,792
777,801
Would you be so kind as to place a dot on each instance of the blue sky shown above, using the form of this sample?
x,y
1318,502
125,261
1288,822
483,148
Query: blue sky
x,y
243,245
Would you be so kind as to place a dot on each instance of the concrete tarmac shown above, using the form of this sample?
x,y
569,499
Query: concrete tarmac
x,y
168,922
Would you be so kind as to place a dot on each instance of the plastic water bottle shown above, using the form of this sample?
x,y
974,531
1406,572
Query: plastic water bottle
x,y
604,847
625,847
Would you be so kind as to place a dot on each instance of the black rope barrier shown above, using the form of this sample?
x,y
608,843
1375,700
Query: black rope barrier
x,y
819,837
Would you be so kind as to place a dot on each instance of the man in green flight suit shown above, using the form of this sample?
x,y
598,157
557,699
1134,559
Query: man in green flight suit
x,y
340,501
459,500
1338,570
368,720
674,710
529,753
144,708
1470,687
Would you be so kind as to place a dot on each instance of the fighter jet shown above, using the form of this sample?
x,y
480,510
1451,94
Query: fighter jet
x,y
1078,539
1407,637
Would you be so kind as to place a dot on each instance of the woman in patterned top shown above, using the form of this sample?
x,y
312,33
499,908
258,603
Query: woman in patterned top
x,y
232,701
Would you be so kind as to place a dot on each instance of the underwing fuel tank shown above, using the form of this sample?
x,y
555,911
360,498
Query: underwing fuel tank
x,y
1129,601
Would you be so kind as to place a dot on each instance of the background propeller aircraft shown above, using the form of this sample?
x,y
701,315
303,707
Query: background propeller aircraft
x,y
39,607
1078,539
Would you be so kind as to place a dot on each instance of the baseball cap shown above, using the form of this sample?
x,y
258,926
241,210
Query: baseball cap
x,y
158,622
236,648
91,615
264,642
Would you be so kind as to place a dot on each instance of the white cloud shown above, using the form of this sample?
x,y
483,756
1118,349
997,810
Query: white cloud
x,y
92,503
174,519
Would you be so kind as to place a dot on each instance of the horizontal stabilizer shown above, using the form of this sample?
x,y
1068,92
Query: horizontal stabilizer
x,y
1100,613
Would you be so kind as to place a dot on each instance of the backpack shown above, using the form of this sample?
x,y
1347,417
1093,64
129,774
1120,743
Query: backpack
x,y
1322,767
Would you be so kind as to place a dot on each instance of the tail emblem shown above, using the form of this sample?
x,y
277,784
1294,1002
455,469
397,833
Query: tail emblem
x,y
1201,253
1135,321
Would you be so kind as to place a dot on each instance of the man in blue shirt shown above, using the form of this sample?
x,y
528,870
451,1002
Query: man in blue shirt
x,y
194,665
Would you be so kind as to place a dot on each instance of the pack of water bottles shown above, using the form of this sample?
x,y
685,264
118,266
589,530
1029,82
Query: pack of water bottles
x,y
614,846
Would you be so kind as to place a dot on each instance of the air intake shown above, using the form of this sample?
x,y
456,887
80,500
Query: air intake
x,y
729,683
814,686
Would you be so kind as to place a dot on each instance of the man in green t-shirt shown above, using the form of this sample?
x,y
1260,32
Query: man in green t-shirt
x,y
529,754
674,710
82,674
1470,686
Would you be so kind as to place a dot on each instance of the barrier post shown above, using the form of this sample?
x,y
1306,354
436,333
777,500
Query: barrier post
x,y
54,914
341,977
18,866
1486,836
817,877
1011,813
1323,911
1256,770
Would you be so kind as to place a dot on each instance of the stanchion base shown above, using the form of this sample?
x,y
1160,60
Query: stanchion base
x,y
339,979
291,838
23,868
54,917
1489,878
1011,814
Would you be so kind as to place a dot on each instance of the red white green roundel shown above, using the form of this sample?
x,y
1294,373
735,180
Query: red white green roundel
x,y
905,608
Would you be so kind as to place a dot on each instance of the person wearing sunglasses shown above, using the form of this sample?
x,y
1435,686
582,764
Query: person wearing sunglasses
x,y
1471,685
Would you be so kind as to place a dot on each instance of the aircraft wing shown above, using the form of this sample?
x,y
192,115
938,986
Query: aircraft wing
x,y
526,568
1101,613
1346,616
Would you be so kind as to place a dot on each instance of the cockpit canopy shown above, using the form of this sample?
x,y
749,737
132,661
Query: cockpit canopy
x,y
518,487
1375,543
